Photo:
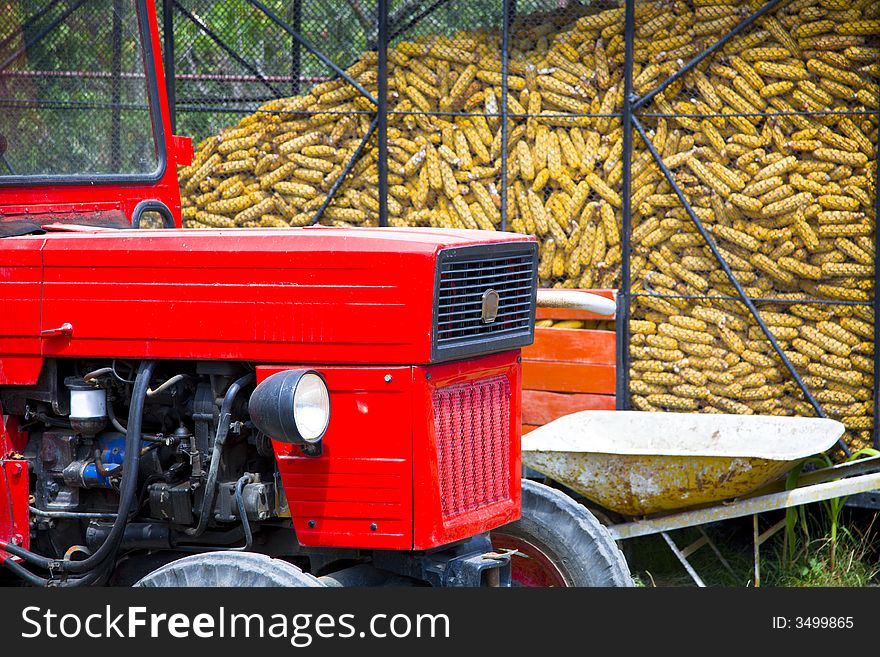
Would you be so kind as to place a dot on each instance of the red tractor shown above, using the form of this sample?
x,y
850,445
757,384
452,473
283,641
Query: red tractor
x,y
250,407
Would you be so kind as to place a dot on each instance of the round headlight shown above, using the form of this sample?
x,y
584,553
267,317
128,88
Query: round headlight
x,y
311,406
291,406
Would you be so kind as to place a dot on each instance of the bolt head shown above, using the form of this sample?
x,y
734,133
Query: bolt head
x,y
312,524
388,378
373,526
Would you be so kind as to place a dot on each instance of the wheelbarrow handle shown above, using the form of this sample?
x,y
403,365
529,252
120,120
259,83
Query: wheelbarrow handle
x,y
576,300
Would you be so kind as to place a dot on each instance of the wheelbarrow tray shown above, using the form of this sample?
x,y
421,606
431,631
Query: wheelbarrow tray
x,y
637,463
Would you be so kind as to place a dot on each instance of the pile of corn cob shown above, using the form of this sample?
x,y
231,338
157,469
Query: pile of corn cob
x,y
757,137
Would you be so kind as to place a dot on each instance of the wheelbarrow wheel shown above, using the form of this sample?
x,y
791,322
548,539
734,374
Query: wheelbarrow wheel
x,y
228,569
558,542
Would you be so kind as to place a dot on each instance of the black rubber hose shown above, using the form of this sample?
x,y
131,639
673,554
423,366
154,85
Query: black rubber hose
x,y
35,580
22,572
242,514
128,488
71,515
219,441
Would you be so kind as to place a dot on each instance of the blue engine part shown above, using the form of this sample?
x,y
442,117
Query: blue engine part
x,y
112,446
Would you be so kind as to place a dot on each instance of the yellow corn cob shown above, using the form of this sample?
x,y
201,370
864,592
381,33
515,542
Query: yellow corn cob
x,y
214,220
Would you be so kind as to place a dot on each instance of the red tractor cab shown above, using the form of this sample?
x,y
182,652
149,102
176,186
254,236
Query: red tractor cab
x,y
243,407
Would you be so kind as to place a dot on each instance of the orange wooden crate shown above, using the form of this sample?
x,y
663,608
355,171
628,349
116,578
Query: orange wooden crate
x,y
568,370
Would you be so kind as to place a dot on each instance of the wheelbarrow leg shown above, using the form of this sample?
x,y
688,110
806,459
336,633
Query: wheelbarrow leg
x,y
759,538
682,557
755,538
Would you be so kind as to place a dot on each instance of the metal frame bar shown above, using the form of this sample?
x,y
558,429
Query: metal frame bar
x,y
682,558
116,82
876,397
508,8
324,59
224,47
624,294
683,553
746,507
382,106
759,539
724,297
295,54
710,115
168,59
687,68
717,552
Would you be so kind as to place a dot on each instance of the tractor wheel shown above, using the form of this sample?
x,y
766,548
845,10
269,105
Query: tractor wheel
x,y
228,569
558,542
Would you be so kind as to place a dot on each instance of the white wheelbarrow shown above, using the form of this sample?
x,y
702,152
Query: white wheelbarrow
x,y
670,471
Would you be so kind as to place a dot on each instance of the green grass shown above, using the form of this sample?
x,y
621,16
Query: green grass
x,y
850,560
853,562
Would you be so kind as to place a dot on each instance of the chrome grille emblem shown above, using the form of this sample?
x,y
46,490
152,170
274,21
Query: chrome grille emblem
x,y
489,310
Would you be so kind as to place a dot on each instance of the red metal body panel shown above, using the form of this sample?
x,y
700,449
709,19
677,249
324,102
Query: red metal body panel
x,y
54,199
14,504
429,527
14,486
21,278
364,476
311,295
379,466
14,490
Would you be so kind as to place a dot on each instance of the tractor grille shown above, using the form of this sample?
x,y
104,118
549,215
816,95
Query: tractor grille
x,y
464,276
472,425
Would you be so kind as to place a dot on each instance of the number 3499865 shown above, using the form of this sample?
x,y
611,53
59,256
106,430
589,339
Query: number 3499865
x,y
813,623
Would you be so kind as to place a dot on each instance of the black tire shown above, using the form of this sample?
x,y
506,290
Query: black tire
x,y
228,569
563,542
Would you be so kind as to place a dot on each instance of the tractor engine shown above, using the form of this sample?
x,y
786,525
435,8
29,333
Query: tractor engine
x,y
76,421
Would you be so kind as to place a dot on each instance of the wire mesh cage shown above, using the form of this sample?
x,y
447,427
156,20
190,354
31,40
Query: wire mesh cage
x,y
715,161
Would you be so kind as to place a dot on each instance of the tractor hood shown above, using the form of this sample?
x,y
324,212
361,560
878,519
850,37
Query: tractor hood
x,y
311,295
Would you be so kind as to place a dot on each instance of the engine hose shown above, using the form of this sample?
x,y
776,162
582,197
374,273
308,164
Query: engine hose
x,y
22,572
128,488
91,376
111,414
242,514
219,441
71,515
170,382
35,580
